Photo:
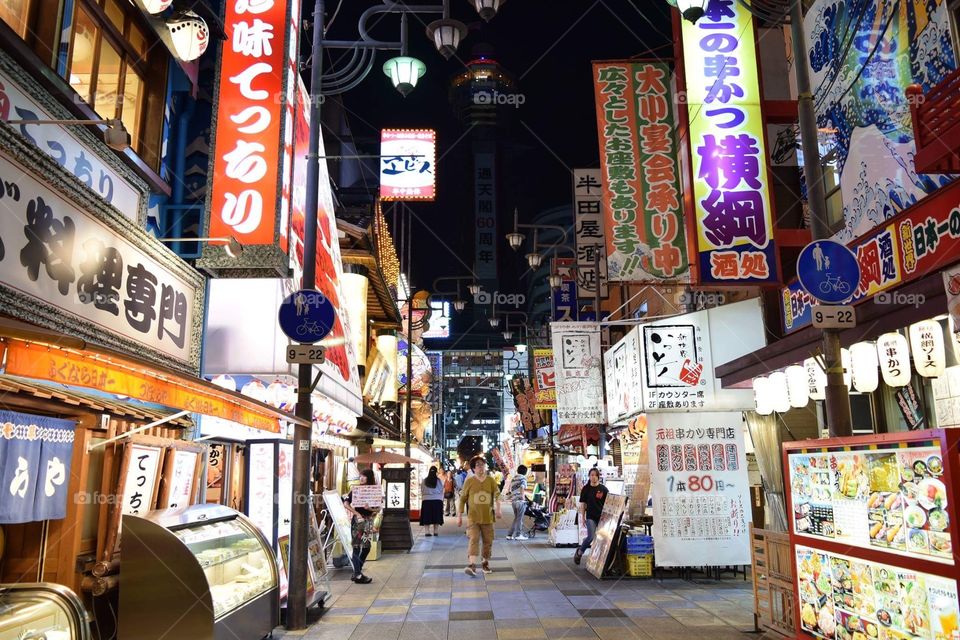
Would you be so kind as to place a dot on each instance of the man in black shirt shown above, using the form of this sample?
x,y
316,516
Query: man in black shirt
x,y
592,497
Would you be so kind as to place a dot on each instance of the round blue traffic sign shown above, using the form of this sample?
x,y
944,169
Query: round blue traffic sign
x,y
828,271
307,316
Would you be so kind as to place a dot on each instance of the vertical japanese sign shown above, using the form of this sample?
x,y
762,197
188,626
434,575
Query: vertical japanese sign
x,y
643,212
701,503
623,368
408,164
545,379
252,152
140,483
588,223
579,375
565,302
485,249
732,197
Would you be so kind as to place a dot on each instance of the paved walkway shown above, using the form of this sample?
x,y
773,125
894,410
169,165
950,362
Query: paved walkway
x,y
535,592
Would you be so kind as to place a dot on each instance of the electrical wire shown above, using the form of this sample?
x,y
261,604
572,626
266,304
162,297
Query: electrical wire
x,y
852,29
876,47
333,18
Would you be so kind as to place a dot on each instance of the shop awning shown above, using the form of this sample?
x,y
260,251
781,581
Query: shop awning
x,y
576,434
15,387
872,321
41,355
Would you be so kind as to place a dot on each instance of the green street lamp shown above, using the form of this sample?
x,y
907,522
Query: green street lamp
x,y
404,71
691,10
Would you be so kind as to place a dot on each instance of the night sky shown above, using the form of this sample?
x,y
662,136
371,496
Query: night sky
x,y
548,46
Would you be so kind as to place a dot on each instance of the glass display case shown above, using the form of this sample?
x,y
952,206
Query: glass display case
x,y
208,553
41,611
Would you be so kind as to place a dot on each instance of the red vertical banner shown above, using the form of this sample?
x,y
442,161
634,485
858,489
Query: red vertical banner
x,y
252,150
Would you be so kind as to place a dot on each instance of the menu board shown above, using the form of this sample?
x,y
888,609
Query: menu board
x,y
260,484
613,508
891,498
700,487
844,598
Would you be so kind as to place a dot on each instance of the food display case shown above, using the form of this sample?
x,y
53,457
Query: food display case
x,y
44,610
872,536
201,572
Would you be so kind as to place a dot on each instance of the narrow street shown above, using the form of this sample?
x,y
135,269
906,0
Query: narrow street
x,y
535,591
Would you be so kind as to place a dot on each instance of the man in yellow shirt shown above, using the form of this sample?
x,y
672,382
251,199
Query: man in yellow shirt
x,y
482,493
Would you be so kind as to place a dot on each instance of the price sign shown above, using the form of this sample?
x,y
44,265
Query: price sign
x,y
305,354
834,317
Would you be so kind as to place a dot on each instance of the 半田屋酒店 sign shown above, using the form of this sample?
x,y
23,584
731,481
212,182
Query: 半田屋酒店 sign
x,y
731,184
643,209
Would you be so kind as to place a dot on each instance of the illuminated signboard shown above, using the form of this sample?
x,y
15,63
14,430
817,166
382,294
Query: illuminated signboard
x,y
439,320
643,213
731,185
408,164
251,186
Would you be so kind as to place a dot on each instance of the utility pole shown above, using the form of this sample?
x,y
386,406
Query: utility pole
x,y
408,421
302,435
837,398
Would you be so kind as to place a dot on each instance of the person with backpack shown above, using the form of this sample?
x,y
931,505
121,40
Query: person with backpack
x,y
518,499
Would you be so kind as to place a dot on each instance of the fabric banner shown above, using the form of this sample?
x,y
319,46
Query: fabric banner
x,y
545,381
524,400
700,489
588,228
733,203
623,368
643,213
35,455
579,375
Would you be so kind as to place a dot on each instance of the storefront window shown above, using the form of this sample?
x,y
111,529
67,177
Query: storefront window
x,y
114,68
15,14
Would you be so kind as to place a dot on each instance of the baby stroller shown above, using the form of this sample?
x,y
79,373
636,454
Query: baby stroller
x,y
540,517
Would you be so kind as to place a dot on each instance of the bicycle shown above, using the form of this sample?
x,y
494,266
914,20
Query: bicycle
x,y
308,327
834,284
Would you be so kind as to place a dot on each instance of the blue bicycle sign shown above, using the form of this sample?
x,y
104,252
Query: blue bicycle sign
x,y
828,271
306,316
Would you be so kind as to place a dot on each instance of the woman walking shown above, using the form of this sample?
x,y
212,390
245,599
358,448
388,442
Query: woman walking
x,y
449,494
361,525
431,503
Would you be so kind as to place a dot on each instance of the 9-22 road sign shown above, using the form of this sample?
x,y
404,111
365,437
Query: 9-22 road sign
x,y
833,316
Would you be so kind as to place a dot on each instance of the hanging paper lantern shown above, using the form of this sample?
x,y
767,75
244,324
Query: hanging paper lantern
x,y
847,368
866,367
894,355
256,390
926,344
187,36
797,386
780,393
225,382
761,395
816,379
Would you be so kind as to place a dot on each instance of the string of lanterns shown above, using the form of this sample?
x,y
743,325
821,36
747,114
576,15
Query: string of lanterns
x,y
864,363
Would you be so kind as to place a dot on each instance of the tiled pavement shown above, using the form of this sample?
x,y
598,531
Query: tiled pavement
x,y
535,592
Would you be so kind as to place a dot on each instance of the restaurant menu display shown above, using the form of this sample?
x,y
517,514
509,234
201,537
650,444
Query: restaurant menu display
x,y
613,508
892,498
846,598
700,489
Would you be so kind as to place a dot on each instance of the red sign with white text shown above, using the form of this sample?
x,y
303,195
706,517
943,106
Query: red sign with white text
x,y
248,155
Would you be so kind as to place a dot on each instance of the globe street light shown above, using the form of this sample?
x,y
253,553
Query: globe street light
x,y
446,35
534,259
555,280
488,8
404,71
459,305
691,10
515,240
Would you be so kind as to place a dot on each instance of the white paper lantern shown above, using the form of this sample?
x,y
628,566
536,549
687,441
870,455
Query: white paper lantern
x,y
797,386
926,344
816,379
847,368
866,371
761,394
894,355
780,393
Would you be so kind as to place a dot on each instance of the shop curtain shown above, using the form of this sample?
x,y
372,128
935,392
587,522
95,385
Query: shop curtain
x,y
765,433
35,454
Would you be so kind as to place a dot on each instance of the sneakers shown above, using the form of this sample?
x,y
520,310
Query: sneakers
x,y
485,567
362,579
470,570
577,556
521,537
509,537
428,535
